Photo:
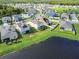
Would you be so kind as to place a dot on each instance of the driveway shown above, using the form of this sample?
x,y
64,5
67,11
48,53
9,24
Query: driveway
x,y
53,48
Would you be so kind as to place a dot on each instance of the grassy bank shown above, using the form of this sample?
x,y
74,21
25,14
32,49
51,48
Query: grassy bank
x,y
35,39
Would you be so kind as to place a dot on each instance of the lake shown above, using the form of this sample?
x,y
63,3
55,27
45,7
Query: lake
x,y
52,48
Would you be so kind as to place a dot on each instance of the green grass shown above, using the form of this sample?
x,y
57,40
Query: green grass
x,y
65,9
77,28
35,39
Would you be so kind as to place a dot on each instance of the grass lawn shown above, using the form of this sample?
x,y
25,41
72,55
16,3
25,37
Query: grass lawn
x,y
77,28
65,9
35,39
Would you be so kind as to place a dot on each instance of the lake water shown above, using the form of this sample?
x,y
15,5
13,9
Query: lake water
x,y
53,48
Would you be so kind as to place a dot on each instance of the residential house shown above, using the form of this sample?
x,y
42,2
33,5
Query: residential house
x,y
49,13
6,19
65,16
36,24
45,21
22,27
55,19
31,11
73,17
65,25
17,18
26,15
8,31
49,23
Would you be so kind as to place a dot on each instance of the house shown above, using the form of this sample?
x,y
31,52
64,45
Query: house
x,y
54,19
8,31
73,17
36,24
6,19
42,19
22,27
65,25
17,18
45,21
50,23
65,16
31,11
26,15
50,13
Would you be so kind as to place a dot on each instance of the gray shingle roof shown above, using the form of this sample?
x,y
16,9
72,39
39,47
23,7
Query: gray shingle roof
x,y
65,24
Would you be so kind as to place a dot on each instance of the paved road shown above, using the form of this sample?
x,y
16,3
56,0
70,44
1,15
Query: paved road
x,y
53,48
